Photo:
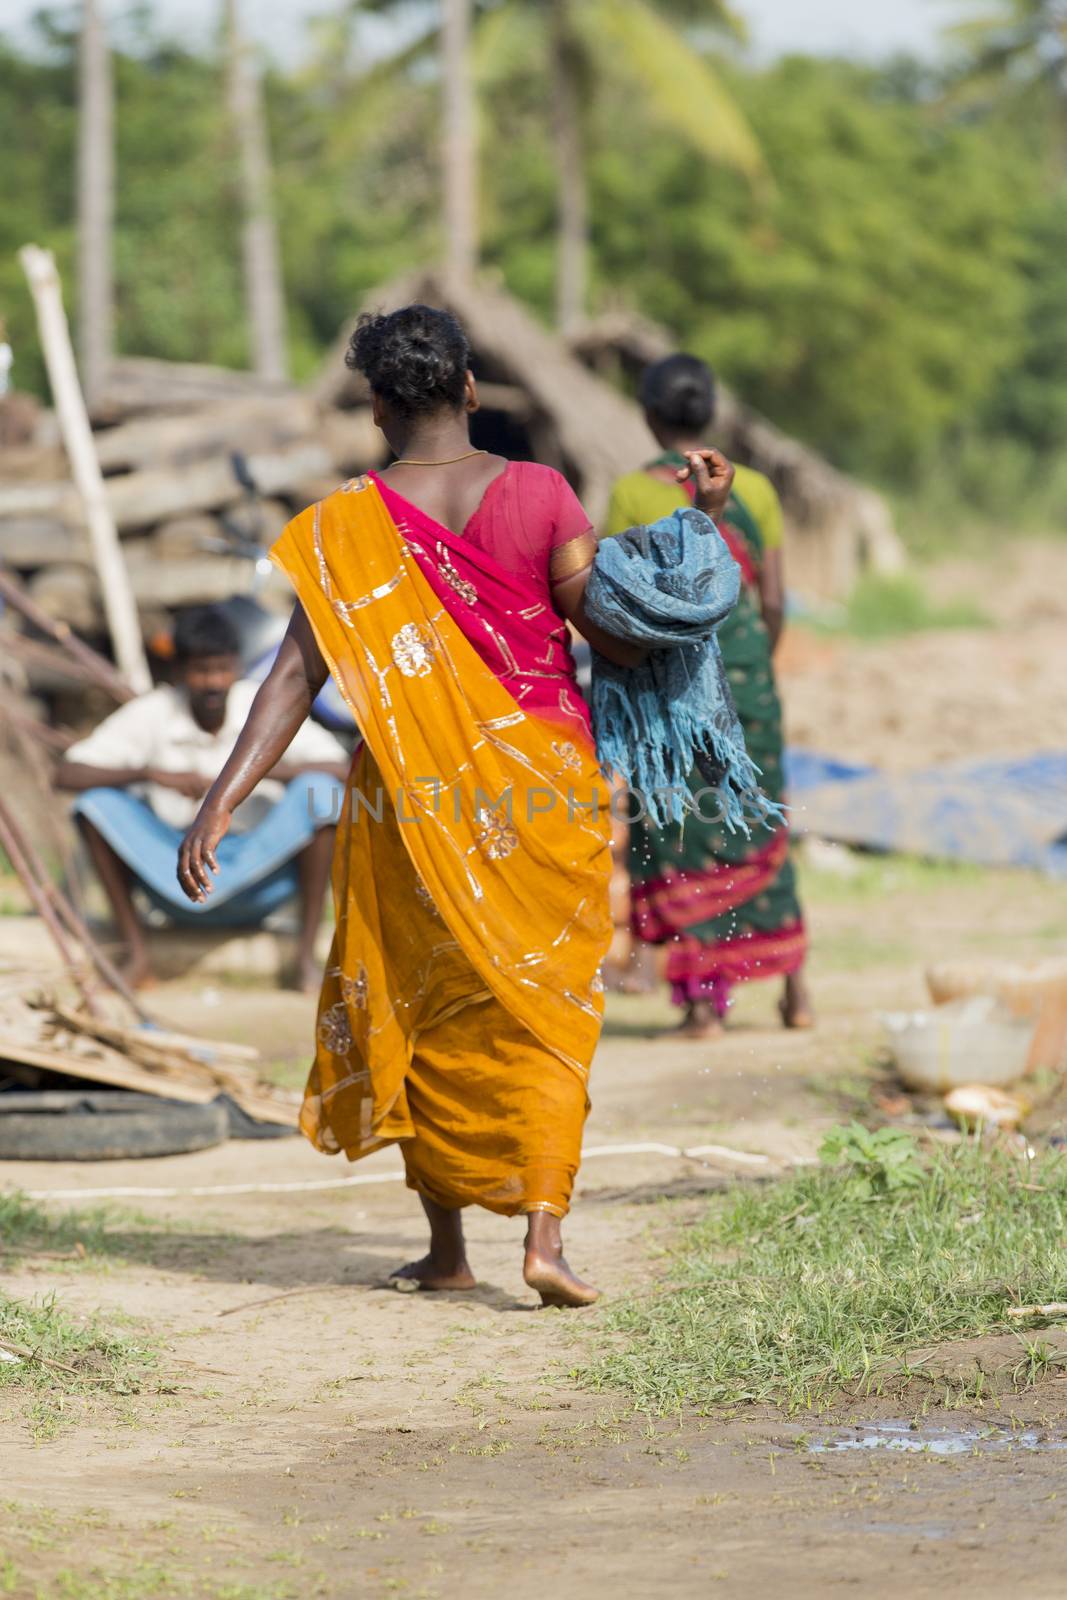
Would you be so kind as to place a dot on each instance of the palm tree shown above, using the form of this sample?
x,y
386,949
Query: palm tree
x,y
435,33
264,291
460,161
648,41
96,202
572,239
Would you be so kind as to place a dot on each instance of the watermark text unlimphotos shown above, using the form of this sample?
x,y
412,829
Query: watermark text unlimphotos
x,y
430,797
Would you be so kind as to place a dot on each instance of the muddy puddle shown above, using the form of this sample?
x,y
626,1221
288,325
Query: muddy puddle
x,y
939,1439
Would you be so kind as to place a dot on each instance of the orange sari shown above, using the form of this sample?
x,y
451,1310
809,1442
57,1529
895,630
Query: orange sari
x,y
462,1000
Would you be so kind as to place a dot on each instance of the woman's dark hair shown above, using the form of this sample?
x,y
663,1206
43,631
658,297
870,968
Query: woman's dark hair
x,y
415,358
204,631
679,391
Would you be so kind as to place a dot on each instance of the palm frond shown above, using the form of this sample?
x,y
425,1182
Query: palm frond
x,y
368,104
682,88
508,39
707,14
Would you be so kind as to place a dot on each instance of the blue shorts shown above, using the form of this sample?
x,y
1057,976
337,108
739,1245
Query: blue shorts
x,y
257,869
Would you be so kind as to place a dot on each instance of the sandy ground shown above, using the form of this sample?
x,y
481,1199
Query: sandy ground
x,y
349,1441
944,695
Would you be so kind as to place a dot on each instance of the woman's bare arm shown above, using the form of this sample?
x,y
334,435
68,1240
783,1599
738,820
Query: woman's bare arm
x,y
278,712
772,595
569,599
713,478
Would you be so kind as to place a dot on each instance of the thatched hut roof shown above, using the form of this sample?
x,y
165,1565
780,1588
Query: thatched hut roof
x,y
567,407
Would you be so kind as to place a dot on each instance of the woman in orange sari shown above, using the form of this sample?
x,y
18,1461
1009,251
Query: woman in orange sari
x,y
462,1000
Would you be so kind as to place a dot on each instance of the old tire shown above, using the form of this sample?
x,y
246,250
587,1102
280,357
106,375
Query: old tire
x,y
104,1125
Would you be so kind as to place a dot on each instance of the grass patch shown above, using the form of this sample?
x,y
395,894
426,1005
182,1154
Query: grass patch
x,y
67,1353
97,1236
852,950
888,607
891,606
795,1292
1023,489
59,1353
142,1580
26,1227
287,1072
873,876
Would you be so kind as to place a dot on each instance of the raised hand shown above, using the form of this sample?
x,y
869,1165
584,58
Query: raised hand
x,y
713,478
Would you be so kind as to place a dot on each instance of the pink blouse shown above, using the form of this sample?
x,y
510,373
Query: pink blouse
x,y
495,579
525,514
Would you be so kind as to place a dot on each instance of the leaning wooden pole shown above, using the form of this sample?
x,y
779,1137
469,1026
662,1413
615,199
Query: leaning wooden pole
x,y
84,661
12,842
120,608
63,920
29,752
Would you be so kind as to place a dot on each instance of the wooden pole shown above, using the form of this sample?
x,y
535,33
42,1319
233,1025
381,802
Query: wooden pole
x,y
84,662
57,740
60,913
22,732
119,605
11,844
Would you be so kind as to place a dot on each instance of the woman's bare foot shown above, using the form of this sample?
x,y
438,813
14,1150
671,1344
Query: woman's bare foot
x,y
795,1007
701,1021
308,975
431,1274
635,983
446,1265
545,1268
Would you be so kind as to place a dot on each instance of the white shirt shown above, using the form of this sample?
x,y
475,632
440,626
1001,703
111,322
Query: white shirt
x,y
158,729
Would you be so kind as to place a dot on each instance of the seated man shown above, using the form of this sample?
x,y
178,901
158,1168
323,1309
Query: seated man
x,y
142,774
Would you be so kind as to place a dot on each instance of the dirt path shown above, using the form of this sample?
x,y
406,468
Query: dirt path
x,y
349,1441
346,1441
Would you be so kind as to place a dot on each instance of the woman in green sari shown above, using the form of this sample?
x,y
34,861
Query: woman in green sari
x,y
725,903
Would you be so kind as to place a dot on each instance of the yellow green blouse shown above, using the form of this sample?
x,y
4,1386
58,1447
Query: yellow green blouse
x,y
640,498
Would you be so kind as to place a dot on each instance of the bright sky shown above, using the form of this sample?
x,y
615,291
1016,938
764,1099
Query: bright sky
x,y
856,27
852,27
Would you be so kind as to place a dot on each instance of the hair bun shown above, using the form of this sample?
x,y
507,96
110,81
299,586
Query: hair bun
x,y
679,392
416,359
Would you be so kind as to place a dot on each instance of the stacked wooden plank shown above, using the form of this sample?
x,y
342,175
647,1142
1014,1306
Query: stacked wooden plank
x,y
42,1038
166,437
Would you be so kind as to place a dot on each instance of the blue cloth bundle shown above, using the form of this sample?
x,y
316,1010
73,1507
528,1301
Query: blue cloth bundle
x,y
667,587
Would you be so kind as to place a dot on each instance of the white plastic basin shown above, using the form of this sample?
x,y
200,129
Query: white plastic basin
x,y
964,1042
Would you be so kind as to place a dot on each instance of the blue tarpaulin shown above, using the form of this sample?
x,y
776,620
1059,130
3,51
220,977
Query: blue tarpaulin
x,y
995,813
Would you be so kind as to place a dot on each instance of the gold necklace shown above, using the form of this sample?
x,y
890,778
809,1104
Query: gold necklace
x,y
406,461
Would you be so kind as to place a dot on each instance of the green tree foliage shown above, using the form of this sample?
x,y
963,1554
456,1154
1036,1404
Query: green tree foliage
x,y
37,118
898,296
890,256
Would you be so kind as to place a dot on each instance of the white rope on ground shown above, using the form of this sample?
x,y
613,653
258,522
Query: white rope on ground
x,y
309,1185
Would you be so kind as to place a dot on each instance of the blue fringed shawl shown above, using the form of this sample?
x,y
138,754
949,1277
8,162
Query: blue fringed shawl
x,y
668,587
